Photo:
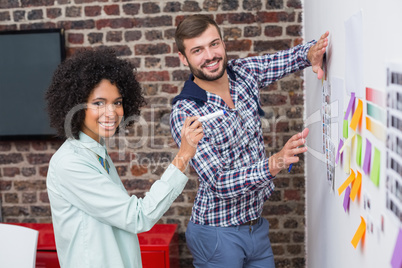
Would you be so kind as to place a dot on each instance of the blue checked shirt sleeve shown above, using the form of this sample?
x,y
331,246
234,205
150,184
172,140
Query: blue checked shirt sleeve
x,y
210,166
271,67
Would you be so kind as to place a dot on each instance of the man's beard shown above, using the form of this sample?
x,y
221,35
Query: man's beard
x,y
209,77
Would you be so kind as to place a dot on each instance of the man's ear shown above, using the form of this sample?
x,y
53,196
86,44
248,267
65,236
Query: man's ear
x,y
183,59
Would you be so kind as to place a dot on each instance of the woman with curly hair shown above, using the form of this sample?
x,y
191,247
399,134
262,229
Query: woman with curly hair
x,y
95,220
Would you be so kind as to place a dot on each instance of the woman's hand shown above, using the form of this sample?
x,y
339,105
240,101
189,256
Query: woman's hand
x,y
191,134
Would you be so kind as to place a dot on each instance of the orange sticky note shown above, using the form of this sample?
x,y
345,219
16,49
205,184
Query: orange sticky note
x,y
356,186
348,181
357,116
368,123
359,233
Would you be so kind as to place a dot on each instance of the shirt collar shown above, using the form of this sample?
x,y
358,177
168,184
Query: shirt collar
x,y
192,91
86,142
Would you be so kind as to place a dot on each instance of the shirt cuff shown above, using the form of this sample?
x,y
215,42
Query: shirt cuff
x,y
175,178
307,48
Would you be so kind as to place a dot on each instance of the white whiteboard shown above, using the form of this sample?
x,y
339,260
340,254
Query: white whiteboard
x,y
329,228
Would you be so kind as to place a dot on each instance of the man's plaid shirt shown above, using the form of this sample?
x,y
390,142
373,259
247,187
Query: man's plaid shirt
x,y
234,178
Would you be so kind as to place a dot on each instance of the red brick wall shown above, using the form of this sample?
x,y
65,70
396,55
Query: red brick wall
x,y
142,31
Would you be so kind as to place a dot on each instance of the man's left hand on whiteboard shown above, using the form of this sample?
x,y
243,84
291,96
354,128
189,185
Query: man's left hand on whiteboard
x,y
316,53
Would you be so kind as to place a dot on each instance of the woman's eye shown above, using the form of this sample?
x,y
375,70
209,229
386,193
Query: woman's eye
x,y
98,103
118,103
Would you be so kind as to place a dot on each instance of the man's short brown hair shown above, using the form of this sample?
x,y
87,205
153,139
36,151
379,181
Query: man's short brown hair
x,y
193,26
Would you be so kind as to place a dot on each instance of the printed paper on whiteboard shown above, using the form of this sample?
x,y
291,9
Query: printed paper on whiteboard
x,y
354,55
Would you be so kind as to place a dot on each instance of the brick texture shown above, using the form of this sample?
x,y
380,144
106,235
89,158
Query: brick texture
x,y
143,32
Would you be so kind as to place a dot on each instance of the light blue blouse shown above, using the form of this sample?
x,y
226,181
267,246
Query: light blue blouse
x,y
94,219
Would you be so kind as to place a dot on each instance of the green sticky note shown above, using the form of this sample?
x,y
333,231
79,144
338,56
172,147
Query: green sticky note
x,y
345,128
359,150
375,168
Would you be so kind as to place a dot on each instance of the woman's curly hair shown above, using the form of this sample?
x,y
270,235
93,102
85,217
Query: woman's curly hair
x,y
74,80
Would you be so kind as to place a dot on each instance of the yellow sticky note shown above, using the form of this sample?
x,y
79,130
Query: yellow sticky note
x,y
359,150
359,233
376,128
375,167
347,142
357,116
348,181
356,186
346,159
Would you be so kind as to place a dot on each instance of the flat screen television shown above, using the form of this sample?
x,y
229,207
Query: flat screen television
x,y
28,59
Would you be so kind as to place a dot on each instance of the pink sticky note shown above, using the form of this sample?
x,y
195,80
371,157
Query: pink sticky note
x,y
346,200
367,158
396,261
350,106
337,154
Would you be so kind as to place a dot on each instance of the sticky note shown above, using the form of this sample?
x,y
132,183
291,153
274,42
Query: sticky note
x,y
367,157
347,142
377,113
368,123
377,129
396,261
375,96
346,183
338,153
359,233
357,116
375,172
345,128
350,105
356,186
346,159
341,160
359,150
346,200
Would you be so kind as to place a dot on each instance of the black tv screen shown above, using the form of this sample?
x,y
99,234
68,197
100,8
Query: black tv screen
x,y
28,59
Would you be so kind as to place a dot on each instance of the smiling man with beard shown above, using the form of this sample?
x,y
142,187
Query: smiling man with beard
x,y
235,175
